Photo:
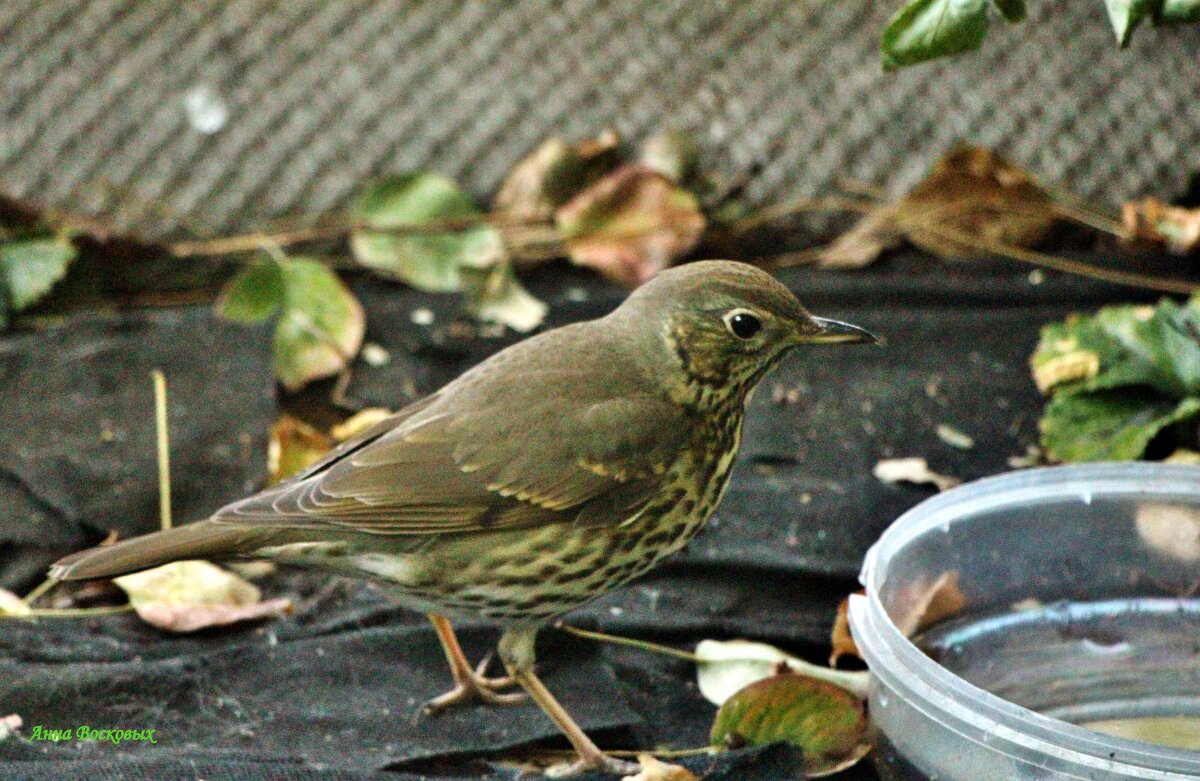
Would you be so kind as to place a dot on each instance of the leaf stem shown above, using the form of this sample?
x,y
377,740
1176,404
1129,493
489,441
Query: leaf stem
x,y
644,645
72,612
1066,265
42,588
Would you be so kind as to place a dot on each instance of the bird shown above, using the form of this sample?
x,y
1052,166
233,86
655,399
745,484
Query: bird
x,y
545,476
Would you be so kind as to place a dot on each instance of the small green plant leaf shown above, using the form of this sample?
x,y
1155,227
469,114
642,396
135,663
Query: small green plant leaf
x,y
1109,425
926,29
827,723
1155,346
321,326
388,215
252,295
631,224
1179,12
32,266
1011,10
1126,15
1117,378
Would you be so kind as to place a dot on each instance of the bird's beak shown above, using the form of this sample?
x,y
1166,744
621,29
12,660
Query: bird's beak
x,y
837,332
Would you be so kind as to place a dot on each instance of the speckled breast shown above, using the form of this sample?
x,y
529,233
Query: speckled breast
x,y
535,574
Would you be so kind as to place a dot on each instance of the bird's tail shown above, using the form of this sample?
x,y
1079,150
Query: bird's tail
x,y
201,540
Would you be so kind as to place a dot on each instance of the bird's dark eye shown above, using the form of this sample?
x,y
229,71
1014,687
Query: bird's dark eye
x,y
743,325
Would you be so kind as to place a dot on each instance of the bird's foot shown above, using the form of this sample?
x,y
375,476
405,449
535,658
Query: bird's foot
x,y
475,685
601,763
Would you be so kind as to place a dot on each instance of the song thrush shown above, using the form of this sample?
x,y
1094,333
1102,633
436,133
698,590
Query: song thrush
x,y
545,476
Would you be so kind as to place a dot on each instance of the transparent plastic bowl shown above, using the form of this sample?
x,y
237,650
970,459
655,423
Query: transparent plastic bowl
x,y
1038,548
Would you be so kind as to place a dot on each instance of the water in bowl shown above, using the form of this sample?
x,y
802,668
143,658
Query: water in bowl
x,y
1127,667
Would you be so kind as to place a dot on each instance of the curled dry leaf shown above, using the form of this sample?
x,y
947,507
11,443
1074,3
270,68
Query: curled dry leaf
x,y
493,294
359,422
1151,220
293,447
827,723
12,605
631,224
1068,364
672,153
550,175
654,769
841,639
925,602
1171,529
188,595
972,195
912,470
725,667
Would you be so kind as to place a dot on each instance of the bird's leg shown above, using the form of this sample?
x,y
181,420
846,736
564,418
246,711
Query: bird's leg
x,y
516,651
469,683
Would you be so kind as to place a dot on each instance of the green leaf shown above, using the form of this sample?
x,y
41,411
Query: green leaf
x,y
494,294
827,723
1012,10
253,295
927,29
32,266
429,260
1155,346
321,327
1126,15
1109,425
1179,12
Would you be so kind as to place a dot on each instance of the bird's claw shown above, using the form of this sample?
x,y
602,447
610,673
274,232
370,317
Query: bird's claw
x,y
477,686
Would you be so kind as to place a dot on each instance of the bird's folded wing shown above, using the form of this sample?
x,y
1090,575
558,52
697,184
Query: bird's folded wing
x,y
483,463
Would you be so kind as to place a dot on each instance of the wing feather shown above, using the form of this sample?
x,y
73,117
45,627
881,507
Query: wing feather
x,y
489,453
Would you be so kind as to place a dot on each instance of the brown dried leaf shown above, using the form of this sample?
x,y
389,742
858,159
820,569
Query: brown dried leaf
x,y
656,770
184,596
631,224
1160,223
1171,529
862,245
927,603
912,470
359,422
294,446
551,174
970,193
841,639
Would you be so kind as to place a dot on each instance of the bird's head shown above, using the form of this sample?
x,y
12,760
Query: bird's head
x,y
728,323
